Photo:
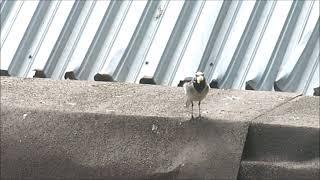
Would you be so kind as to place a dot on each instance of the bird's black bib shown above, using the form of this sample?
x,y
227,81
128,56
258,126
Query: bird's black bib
x,y
199,86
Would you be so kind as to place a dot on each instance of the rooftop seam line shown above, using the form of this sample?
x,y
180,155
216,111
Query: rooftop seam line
x,y
183,51
309,79
76,41
35,52
305,21
11,24
277,106
255,49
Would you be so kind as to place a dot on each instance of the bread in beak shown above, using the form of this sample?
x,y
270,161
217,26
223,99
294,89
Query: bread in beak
x,y
199,79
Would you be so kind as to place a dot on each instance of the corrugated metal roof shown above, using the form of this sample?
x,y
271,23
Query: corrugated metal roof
x,y
260,45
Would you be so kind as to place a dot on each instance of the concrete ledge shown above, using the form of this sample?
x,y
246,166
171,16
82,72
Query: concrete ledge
x,y
49,144
134,99
280,152
284,143
83,129
304,170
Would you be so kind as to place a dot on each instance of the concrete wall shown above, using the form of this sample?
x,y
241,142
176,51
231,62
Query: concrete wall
x,y
97,130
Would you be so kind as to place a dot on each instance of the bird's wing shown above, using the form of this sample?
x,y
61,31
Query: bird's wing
x,y
187,87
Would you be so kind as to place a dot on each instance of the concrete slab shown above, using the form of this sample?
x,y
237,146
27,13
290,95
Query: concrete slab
x,y
284,143
134,99
63,145
305,170
106,129
303,111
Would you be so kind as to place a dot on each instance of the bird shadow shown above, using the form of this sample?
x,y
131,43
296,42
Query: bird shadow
x,y
197,119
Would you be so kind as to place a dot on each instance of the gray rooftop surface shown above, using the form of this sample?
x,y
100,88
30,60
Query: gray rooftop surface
x,y
85,129
134,99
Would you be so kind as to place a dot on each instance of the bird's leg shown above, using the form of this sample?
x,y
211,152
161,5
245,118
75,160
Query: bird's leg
x,y
191,109
199,108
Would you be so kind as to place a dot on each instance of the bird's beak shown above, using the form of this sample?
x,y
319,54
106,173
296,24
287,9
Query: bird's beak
x,y
199,79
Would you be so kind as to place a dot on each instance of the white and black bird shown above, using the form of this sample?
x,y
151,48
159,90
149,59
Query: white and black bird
x,y
196,90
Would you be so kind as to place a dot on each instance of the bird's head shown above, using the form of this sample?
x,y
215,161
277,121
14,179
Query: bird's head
x,y
200,77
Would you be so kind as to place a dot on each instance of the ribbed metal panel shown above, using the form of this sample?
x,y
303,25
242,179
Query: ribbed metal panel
x,y
260,45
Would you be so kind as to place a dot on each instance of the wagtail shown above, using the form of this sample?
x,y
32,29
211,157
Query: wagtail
x,y
196,90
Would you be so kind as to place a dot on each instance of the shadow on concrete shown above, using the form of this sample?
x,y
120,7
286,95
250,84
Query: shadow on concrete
x,y
61,145
280,152
267,142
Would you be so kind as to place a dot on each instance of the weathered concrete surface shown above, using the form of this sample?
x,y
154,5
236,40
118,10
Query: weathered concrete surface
x,y
85,145
302,111
134,99
284,143
64,129
305,170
